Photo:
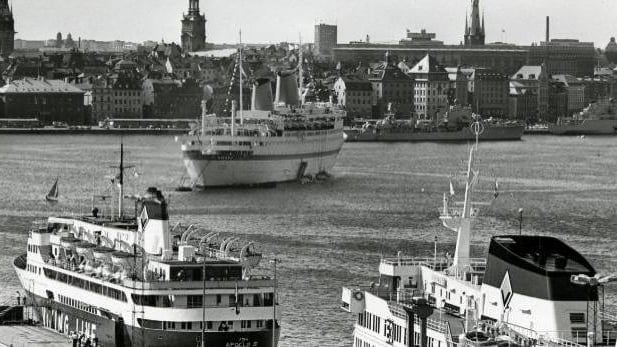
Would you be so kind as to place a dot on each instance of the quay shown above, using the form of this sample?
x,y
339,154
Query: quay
x,y
29,335
94,131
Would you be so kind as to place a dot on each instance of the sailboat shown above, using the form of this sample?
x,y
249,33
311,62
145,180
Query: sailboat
x,y
53,192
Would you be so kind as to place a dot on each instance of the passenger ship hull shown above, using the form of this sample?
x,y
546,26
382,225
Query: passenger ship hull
x,y
111,328
280,159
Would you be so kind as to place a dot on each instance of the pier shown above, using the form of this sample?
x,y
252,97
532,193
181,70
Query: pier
x,y
28,335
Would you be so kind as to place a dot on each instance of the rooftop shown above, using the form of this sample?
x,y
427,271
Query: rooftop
x,y
33,85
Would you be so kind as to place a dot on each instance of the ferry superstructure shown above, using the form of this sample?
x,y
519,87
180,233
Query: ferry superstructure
x,y
529,291
279,141
130,282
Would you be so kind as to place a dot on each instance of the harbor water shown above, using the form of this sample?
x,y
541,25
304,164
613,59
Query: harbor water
x,y
383,198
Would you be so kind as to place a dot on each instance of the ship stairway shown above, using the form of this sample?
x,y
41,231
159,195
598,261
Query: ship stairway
x,y
301,170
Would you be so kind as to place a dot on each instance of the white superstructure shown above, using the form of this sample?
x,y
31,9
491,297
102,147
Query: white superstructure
x,y
276,141
527,292
129,283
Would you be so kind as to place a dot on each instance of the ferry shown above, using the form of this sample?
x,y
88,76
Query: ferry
x,y
279,141
530,290
136,281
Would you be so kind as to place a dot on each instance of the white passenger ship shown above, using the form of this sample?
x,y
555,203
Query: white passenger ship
x,y
273,142
127,283
529,291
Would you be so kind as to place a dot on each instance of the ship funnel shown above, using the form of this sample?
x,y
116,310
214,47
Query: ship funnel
x,y
153,222
262,95
287,88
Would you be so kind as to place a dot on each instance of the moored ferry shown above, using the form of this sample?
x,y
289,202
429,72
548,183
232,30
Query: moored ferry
x,y
276,141
529,291
130,282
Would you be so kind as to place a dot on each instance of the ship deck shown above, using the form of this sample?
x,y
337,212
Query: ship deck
x,y
27,335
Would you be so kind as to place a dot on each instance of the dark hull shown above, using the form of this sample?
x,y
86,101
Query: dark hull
x,y
111,330
506,133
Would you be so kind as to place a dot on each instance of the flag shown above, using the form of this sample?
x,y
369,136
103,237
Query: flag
x,y
451,189
496,189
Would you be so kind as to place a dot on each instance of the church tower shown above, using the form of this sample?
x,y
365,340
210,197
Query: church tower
x,y
193,35
7,29
474,35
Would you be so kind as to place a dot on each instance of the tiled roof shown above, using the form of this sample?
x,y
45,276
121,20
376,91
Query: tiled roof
x,y
33,85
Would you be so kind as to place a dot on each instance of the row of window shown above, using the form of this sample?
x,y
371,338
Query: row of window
x,y
85,284
210,325
196,301
34,248
369,321
80,305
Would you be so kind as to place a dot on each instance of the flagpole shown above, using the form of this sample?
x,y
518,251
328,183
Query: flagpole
x,y
241,86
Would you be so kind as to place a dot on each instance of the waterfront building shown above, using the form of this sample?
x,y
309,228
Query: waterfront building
x,y
523,103
457,91
535,79
193,35
48,100
393,90
564,56
118,94
325,39
169,98
7,29
474,35
575,92
431,85
355,96
488,92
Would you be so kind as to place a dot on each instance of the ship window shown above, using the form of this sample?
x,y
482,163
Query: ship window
x,y
193,301
208,325
577,317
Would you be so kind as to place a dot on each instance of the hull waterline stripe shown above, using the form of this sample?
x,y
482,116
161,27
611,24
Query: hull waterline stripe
x,y
197,155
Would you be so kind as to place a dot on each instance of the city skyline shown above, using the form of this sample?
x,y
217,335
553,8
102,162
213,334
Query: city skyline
x,y
160,19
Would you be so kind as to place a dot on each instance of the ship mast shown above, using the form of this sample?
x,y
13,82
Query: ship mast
x,y
463,247
121,180
241,72
300,72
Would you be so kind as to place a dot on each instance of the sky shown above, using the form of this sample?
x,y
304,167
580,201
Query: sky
x,y
272,21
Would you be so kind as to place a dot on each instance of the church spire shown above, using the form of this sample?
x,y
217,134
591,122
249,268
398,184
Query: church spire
x,y
482,22
466,24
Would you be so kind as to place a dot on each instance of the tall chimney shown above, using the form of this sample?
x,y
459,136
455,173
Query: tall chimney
x,y
548,26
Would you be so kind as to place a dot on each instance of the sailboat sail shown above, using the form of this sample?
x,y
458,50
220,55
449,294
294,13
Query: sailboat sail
x,y
53,192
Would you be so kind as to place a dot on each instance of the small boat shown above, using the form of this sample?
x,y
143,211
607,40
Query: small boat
x,y
53,193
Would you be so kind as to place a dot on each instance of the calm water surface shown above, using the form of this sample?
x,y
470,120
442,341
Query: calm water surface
x,y
382,198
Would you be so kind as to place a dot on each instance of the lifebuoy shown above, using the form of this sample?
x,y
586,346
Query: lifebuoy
x,y
358,296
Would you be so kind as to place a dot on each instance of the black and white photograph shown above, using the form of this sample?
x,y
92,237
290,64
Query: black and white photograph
x,y
323,173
